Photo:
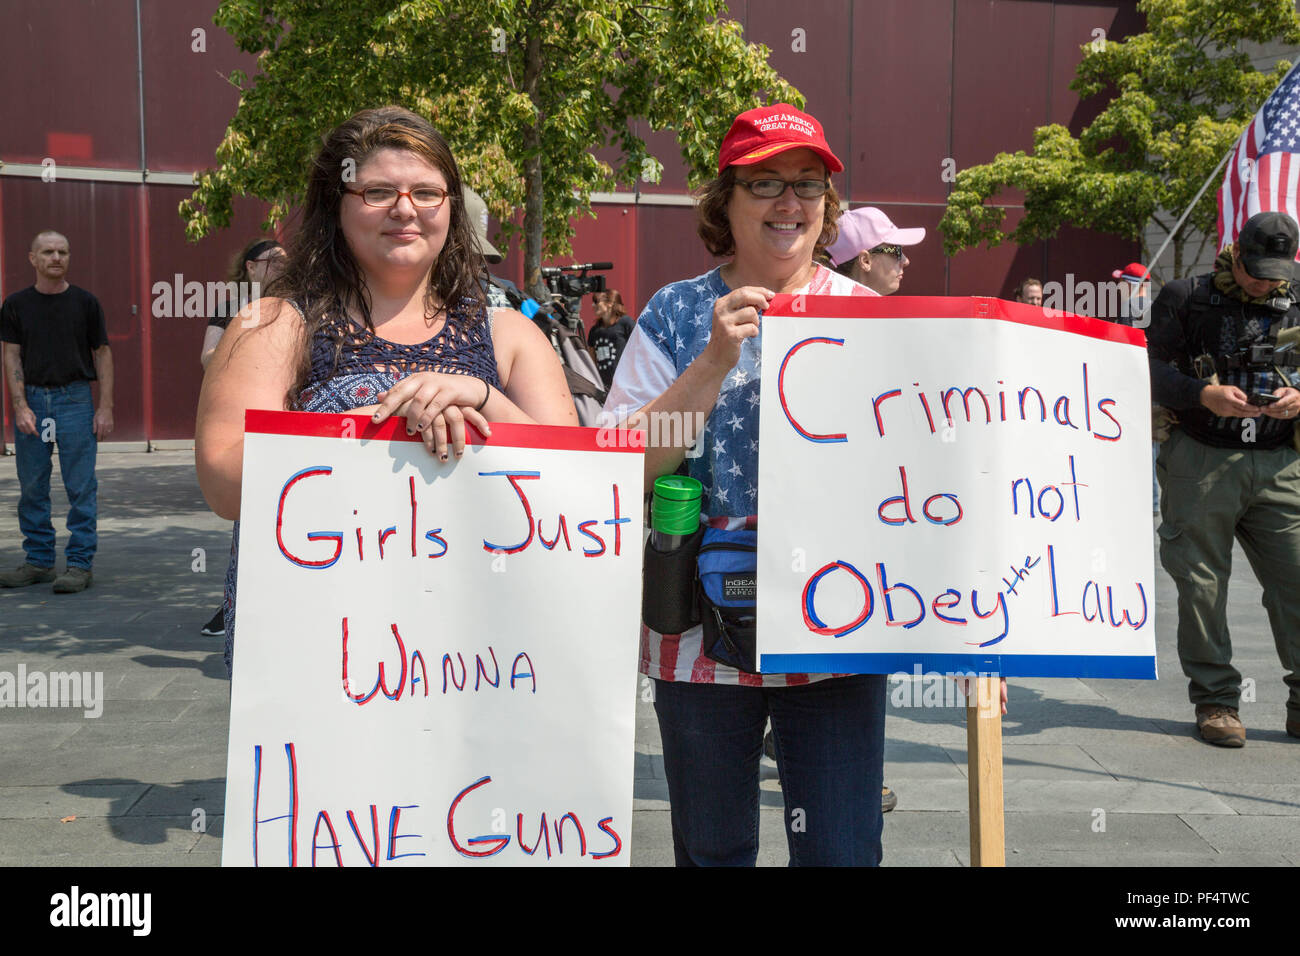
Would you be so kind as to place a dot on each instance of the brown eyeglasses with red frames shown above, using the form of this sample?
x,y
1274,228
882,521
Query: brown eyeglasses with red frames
x,y
385,197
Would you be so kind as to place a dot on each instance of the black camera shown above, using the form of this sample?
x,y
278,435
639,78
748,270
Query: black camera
x,y
568,284
1262,357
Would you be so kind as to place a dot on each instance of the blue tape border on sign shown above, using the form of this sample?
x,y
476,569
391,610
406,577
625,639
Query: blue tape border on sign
x,y
1016,665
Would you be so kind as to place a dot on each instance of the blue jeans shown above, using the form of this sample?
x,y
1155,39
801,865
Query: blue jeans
x,y
830,749
64,415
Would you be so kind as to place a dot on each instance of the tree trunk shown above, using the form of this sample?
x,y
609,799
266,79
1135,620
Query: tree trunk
x,y
533,171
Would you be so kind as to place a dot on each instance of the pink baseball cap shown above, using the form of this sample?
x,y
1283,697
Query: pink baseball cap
x,y
759,133
865,228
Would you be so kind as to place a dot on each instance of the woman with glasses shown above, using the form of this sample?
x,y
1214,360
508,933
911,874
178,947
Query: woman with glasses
x,y
869,249
381,310
695,355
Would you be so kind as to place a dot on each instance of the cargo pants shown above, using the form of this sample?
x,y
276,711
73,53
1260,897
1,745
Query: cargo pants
x,y
1208,496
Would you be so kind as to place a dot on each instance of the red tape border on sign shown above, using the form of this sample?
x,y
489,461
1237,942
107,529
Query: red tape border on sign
x,y
951,307
562,438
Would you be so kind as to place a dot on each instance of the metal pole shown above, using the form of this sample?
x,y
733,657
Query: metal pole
x,y
1186,212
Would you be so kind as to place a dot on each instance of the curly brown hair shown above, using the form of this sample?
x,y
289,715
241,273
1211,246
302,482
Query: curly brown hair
x,y
321,275
714,227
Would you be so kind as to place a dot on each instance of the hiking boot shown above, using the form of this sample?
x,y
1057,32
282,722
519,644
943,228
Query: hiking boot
x,y
888,799
72,580
24,575
217,626
1219,724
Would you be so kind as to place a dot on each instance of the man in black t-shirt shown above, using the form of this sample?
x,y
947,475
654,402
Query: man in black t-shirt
x,y
55,345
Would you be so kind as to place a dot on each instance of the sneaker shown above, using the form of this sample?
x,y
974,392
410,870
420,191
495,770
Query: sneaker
x,y
1219,724
888,799
217,626
72,580
24,575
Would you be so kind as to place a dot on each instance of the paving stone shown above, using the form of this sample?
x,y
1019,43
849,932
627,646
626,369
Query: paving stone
x,y
53,802
1259,799
1250,834
916,760
1192,759
92,835
1039,762
181,799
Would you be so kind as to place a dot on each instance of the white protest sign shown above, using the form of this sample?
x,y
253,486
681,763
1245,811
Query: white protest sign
x,y
953,484
435,663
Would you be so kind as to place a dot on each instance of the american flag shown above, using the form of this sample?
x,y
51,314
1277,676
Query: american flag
x,y
1264,166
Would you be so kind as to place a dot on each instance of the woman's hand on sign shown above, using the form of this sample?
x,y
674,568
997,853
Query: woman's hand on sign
x,y
735,318
436,406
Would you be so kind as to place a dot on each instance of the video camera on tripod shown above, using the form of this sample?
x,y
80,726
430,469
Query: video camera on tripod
x,y
567,289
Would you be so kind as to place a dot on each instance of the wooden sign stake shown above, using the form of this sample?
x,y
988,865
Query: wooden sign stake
x,y
984,772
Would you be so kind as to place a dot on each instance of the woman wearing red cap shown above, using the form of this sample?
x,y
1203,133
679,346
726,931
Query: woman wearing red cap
x,y
695,356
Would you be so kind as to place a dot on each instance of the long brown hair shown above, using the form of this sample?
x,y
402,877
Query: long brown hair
x,y
321,274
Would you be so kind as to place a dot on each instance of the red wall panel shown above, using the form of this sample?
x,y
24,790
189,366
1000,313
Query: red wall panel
x,y
668,249
901,100
1073,25
810,49
187,100
1001,56
70,83
175,342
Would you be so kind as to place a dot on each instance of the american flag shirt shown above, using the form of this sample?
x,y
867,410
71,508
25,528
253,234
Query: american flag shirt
x,y
671,333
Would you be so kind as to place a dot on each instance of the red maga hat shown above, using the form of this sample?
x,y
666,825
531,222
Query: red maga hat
x,y
759,133
1133,272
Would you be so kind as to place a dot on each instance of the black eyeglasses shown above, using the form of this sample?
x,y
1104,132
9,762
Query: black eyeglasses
x,y
423,197
889,249
772,188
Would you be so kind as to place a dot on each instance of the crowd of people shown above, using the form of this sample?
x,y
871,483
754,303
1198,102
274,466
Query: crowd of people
x,y
382,305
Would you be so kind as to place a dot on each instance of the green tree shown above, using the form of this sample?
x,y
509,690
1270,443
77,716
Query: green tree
x,y
523,90
1184,92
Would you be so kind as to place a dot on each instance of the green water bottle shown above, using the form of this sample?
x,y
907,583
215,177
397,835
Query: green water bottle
x,y
674,511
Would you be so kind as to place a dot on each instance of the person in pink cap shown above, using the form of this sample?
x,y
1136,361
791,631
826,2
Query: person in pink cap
x,y
869,249
695,356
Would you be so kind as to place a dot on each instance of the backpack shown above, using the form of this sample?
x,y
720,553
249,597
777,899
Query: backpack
x,y
580,370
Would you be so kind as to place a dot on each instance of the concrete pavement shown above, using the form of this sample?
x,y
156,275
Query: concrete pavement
x,y
1097,772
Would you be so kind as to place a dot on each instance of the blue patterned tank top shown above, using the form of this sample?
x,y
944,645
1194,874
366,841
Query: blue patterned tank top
x,y
351,365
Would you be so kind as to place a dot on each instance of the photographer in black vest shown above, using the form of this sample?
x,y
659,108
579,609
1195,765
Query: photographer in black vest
x,y
1230,467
